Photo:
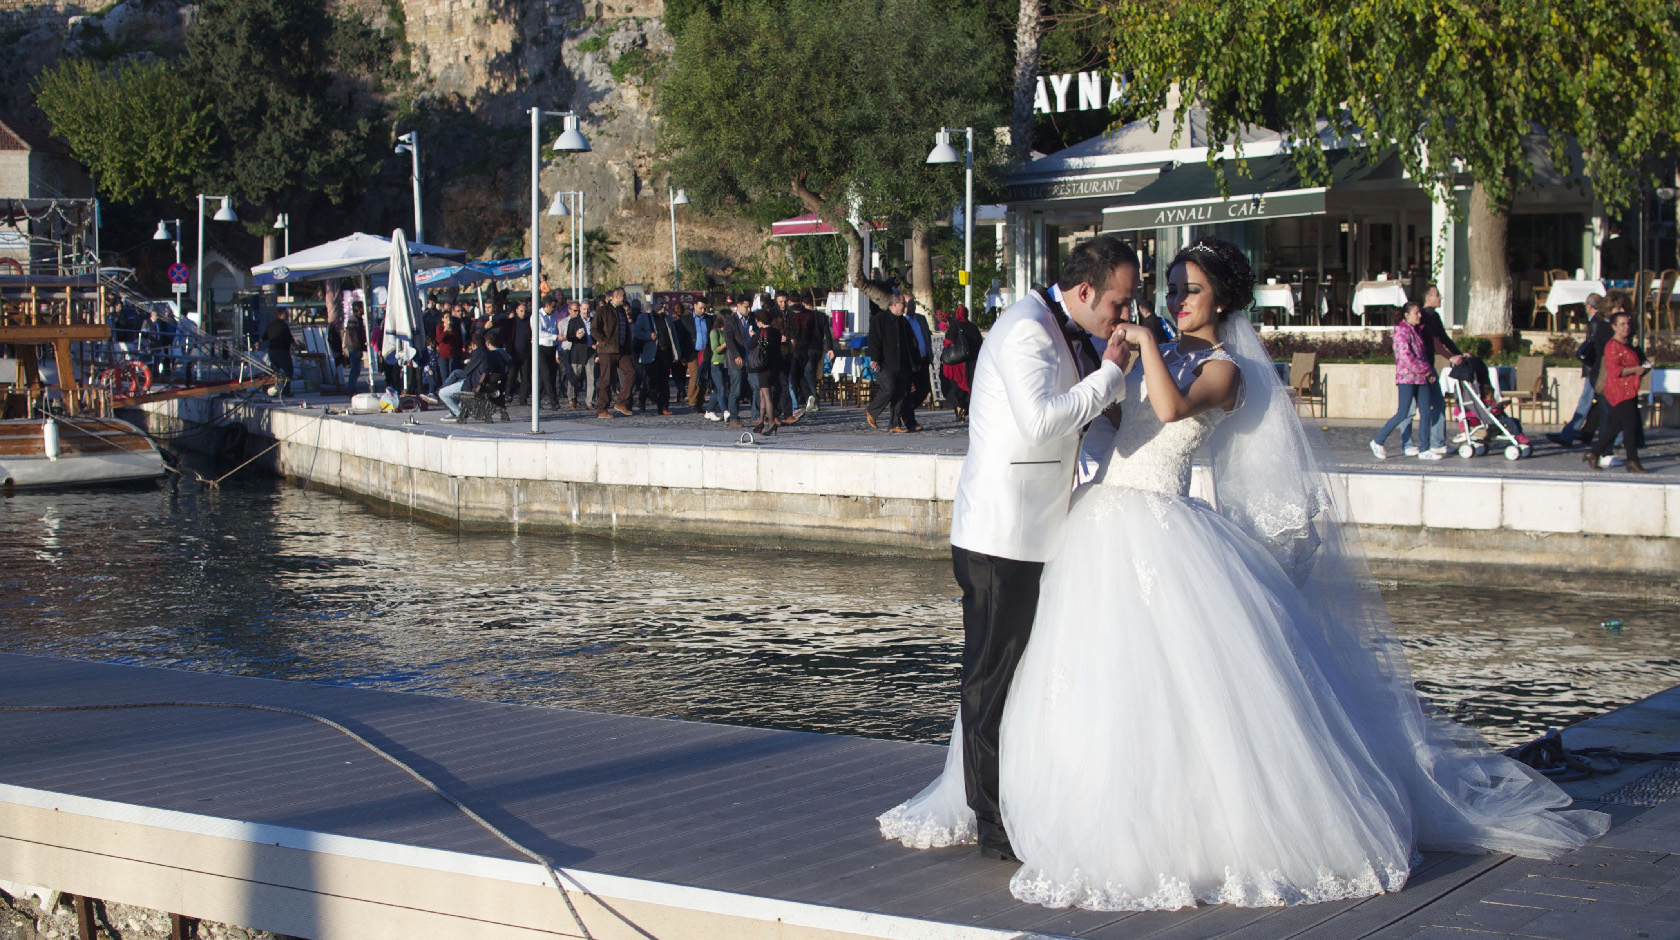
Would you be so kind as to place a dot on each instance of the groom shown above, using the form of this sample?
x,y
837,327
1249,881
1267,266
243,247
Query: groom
x,y
1039,382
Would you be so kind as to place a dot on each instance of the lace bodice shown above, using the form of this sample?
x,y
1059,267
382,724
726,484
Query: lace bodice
x,y
1152,456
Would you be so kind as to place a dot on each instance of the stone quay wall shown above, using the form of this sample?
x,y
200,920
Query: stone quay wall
x,y
1598,533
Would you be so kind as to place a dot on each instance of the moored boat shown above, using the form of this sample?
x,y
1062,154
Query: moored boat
x,y
83,450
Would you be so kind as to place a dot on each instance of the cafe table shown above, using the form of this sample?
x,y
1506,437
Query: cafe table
x,y
1378,293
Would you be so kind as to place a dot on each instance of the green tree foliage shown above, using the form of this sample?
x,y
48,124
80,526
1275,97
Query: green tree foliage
x,y
834,102
1455,86
292,86
140,128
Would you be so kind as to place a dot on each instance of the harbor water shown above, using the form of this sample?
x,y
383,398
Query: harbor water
x,y
264,579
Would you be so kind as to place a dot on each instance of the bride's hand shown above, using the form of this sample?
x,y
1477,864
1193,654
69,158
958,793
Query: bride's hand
x,y
1134,334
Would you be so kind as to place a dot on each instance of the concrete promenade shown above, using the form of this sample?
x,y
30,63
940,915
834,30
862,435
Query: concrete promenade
x,y
832,483
661,829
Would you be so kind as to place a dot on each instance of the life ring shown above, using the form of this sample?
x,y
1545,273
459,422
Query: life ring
x,y
12,263
126,379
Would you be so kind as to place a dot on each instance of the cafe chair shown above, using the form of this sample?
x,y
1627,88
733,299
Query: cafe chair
x,y
1307,386
1530,389
1664,300
1643,309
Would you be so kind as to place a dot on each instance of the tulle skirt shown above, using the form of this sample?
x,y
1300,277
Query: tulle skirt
x,y
1180,731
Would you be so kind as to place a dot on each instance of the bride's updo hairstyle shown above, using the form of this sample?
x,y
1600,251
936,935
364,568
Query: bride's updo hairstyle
x,y
1227,271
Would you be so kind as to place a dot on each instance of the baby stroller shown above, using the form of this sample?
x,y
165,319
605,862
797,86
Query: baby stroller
x,y
1481,416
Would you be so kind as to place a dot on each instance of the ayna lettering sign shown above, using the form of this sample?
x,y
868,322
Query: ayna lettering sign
x,y
1090,91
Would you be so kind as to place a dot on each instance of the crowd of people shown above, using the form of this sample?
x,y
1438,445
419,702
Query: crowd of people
x,y
756,360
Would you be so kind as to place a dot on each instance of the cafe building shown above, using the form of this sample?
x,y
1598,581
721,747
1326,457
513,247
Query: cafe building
x,y
1326,256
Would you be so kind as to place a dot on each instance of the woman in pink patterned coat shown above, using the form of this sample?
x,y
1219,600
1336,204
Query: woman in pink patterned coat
x,y
1413,374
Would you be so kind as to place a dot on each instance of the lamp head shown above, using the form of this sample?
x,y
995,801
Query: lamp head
x,y
225,213
1666,193
680,199
162,233
943,152
571,140
405,143
557,206
282,222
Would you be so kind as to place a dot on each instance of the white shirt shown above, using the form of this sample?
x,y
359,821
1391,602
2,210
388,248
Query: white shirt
x,y
548,328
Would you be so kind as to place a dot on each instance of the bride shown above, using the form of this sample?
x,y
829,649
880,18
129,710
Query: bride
x,y
1213,706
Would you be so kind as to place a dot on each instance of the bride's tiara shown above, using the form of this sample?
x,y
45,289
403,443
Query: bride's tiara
x,y
1201,247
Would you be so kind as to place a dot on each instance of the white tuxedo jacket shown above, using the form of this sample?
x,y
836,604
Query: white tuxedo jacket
x,y
1024,422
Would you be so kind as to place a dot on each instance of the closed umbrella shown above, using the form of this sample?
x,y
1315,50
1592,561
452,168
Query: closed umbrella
x,y
402,308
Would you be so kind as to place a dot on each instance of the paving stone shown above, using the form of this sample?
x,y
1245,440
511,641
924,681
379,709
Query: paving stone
x,y
1606,922
1486,915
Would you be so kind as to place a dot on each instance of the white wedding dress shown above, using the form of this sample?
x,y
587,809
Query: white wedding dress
x,y
1183,728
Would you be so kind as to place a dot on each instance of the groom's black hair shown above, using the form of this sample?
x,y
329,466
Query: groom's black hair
x,y
1093,262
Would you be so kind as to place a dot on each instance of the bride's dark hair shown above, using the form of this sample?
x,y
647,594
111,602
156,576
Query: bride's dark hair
x,y
1227,271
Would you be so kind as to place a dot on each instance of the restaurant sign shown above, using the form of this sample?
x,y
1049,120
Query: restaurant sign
x,y
1075,188
1215,210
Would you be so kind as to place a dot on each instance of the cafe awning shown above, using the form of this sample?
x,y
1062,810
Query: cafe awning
x,y
1189,194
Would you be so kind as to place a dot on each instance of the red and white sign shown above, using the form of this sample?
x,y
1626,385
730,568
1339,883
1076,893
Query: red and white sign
x,y
178,273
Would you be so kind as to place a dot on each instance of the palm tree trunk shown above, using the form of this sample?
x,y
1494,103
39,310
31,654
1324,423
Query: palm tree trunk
x,y
1027,27
921,265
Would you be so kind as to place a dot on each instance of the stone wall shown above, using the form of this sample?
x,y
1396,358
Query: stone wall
x,y
28,913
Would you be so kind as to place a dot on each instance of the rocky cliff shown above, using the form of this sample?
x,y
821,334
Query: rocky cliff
x,y
479,66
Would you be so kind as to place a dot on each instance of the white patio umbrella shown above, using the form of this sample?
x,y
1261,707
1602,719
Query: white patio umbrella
x,y
402,307
357,255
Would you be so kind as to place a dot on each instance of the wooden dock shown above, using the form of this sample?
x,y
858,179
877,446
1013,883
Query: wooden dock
x,y
663,829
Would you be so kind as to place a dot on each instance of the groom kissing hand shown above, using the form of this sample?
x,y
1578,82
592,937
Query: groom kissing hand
x,y
1039,382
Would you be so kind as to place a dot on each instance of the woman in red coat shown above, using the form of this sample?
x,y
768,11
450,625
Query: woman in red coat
x,y
1622,369
449,345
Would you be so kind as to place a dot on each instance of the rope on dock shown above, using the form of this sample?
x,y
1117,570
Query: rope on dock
x,y
1548,755
539,858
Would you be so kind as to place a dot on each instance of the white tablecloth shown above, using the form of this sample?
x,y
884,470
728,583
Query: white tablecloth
x,y
1281,296
1377,294
1564,293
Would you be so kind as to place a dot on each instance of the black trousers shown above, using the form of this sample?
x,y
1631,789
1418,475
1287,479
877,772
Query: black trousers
x,y
549,367
890,388
1620,419
1000,597
920,387
658,374
519,376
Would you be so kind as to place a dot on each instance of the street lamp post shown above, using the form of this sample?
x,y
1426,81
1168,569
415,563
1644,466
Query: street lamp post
x,y
559,208
571,140
283,224
224,214
409,143
676,198
944,153
163,234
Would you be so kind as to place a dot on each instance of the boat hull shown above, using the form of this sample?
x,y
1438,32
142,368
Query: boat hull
x,y
91,452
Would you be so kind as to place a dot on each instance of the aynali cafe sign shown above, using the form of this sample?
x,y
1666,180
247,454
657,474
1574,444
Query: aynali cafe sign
x,y
1215,210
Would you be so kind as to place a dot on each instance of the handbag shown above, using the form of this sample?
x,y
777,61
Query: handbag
x,y
956,350
758,357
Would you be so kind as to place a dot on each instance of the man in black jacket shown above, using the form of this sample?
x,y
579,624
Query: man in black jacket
x,y
1584,423
891,352
516,344
487,359
813,346
1438,343
611,328
278,338
735,339
921,357
576,351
